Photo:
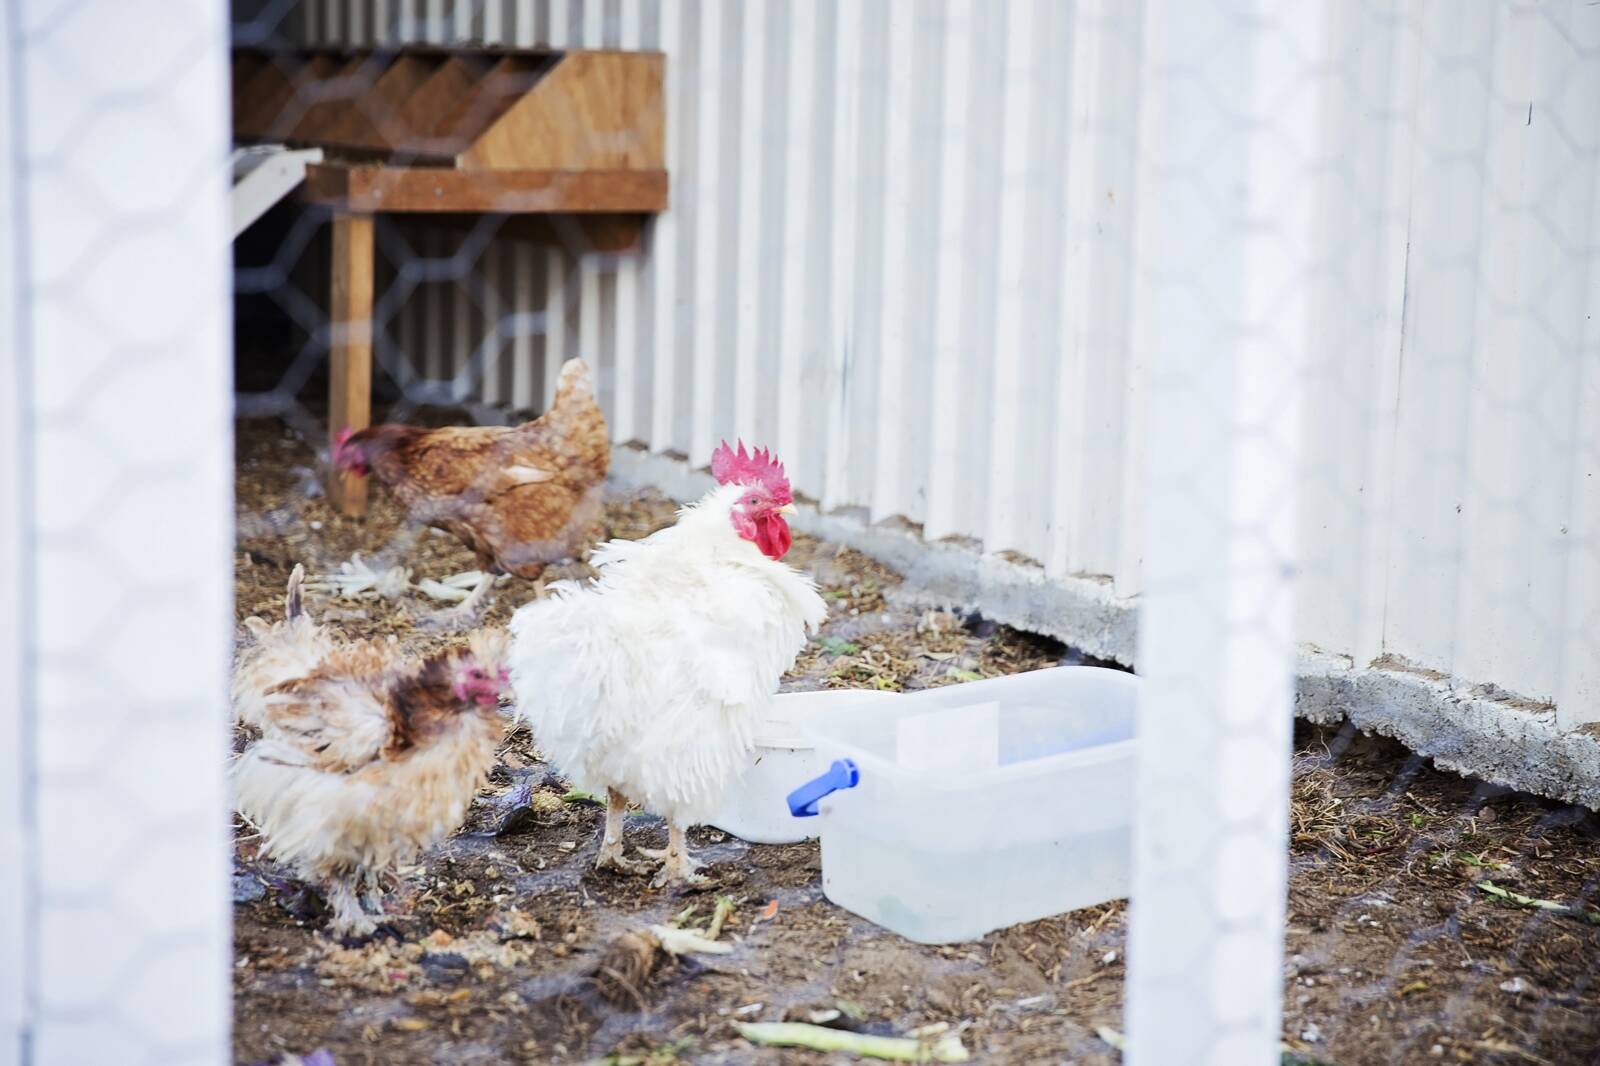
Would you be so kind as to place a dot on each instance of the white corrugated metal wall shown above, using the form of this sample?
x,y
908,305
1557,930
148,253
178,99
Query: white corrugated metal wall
x,y
903,249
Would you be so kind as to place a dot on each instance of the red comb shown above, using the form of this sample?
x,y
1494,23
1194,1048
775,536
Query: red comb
x,y
344,435
756,467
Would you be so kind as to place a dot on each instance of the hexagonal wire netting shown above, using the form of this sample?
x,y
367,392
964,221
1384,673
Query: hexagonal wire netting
x,y
1249,343
1178,296
117,540
1370,361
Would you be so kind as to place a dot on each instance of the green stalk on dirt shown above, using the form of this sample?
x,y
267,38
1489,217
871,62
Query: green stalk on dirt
x,y
820,1038
1517,898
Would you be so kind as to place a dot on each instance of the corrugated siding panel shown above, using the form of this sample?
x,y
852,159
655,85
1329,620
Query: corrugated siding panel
x,y
902,249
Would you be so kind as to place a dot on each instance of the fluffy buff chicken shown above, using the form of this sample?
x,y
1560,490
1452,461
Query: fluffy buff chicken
x,y
521,497
648,683
365,757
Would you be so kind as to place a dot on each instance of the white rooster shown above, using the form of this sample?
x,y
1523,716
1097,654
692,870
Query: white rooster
x,y
647,684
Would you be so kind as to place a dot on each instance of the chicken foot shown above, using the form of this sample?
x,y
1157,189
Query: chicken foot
x,y
470,606
348,917
611,844
676,865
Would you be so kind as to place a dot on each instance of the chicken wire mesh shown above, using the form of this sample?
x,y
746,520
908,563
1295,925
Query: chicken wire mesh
x,y
1249,344
115,926
1147,231
1229,244
1353,208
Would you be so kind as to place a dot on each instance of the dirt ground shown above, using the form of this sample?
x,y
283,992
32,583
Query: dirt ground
x,y
1400,947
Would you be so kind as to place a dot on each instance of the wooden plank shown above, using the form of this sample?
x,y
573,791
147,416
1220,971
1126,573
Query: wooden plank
x,y
496,91
479,109
259,98
372,125
593,111
578,233
441,189
245,66
423,126
350,362
331,99
418,48
273,112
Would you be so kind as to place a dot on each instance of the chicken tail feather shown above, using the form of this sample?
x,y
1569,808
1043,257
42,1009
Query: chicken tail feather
x,y
293,601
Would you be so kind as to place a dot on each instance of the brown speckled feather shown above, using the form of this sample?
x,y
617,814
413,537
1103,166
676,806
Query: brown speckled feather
x,y
366,759
520,497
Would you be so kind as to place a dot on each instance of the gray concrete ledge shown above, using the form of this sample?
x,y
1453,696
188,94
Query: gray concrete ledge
x,y
1504,742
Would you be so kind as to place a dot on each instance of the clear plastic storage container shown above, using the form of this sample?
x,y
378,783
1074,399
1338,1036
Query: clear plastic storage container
x,y
784,754
949,813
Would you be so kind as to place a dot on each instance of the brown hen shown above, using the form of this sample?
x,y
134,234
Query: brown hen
x,y
521,497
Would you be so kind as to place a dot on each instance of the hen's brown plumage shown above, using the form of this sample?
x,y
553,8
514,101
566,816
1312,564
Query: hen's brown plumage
x,y
520,497
365,756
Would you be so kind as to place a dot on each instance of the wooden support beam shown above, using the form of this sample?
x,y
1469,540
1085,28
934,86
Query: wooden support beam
x,y
508,192
350,363
576,233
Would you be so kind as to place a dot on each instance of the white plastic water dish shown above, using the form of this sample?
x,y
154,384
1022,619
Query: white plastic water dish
x,y
757,807
977,806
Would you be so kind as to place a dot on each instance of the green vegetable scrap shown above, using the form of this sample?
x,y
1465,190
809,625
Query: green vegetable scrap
x,y
819,1038
1518,899
839,646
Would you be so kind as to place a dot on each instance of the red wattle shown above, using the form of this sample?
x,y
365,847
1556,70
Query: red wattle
x,y
773,536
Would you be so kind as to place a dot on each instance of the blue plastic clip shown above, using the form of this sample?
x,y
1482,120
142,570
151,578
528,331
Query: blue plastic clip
x,y
842,774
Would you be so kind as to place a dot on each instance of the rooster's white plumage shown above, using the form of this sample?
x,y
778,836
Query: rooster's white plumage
x,y
647,684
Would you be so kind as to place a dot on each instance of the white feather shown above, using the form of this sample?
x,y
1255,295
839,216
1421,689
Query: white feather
x,y
375,816
526,474
651,679
283,651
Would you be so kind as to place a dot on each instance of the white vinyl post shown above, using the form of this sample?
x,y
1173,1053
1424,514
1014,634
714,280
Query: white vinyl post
x,y
1227,143
115,531
13,763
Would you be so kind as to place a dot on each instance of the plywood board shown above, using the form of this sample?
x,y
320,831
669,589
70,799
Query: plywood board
x,y
373,124
593,111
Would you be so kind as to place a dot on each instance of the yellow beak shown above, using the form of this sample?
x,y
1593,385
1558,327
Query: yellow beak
x,y
788,508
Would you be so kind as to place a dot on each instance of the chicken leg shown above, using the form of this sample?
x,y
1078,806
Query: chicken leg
x,y
676,866
348,917
372,895
611,845
474,601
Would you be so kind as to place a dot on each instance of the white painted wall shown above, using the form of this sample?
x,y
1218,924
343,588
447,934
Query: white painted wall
x,y
902,250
